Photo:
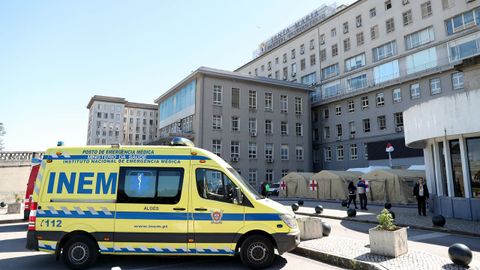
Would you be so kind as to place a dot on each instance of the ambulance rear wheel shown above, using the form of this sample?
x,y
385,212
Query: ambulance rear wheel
x,y
80,252
257,252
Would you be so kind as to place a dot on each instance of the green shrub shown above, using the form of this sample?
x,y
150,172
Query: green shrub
x,y
385,221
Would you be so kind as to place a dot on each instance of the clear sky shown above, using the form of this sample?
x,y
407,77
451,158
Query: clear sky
x,y
55,55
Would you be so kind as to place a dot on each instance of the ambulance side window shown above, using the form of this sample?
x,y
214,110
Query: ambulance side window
x,y
150,185
214,185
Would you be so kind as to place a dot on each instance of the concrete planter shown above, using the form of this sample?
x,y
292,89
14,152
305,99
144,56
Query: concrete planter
x,y
388,243
14,208
310,228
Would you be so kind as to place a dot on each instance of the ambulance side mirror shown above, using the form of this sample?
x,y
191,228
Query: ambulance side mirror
x,y
238,196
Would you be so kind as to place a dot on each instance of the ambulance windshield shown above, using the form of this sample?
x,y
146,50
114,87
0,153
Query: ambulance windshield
x,y
251,189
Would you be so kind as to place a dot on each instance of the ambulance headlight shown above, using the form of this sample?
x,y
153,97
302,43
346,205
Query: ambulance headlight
x,y
289,220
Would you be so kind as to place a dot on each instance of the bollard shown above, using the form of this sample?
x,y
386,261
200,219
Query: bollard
x,y
460,254
438,220
295,207
388,205
300,202
326,229
318,209
344,203
351,212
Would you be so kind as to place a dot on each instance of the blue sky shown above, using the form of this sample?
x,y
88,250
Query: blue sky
x,y
55,55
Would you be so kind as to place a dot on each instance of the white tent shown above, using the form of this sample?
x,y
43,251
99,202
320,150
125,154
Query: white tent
x,y
368,169
297,184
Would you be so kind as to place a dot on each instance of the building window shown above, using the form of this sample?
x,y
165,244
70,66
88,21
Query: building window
x,y
380,99
284,152
293,54
390,24
473,153
284,172
358,21
333,32
312,60
285,73
398,118
360,39
339,130
283,104
326,113
464,47
397,95
328,154
366,125
269,151
269,65
268,127
435,86
235,123
312,44
269,175
386,72
351,106
235,97
256,72
284,58
374,32
252,177
457,168
276,61
340,153
357,83
326,132
268,102
345,27
457,81
323,54
294,69
365,151
252,150
334,50
388,5
338,109
419,38
302,49
364,102
446,4
373,12
407,17
355,62
415,91
422,60
353,151
331,89
298,105
382,122
351,127
346,44
252,126
302,64
463,21
426,9
235,149
299,129
277,74
384,51
217,122
283,128
322,39
299,152
330,71
252,99
217,147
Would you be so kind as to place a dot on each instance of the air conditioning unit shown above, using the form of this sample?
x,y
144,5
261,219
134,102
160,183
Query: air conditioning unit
x,y
269,160
399,129
352,136
253,134
234,159
339,138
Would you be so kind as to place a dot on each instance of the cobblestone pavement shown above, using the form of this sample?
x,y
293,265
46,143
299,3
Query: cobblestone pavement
x,y
404,216
358,250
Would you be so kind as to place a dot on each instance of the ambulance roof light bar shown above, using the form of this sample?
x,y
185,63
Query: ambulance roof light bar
x,y
179,141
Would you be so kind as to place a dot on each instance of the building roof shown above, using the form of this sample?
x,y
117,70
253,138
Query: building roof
x,y
234,75
121,101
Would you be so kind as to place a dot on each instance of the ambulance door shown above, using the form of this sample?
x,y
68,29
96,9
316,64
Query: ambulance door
x,y
151,212
216,217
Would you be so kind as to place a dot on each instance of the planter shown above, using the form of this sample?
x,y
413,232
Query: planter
x,y
310,228
14,208
388,243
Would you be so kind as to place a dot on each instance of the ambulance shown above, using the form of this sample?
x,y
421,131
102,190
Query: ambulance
x,y
152,200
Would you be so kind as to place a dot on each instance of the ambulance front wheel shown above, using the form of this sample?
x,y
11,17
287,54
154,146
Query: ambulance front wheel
x,y
80,252
257,252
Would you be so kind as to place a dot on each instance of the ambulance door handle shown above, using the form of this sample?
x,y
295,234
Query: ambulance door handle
x,y
201,209
179,209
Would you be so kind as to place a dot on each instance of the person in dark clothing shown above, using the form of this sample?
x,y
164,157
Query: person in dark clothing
x,y
362,193
352,195
420,191
263,190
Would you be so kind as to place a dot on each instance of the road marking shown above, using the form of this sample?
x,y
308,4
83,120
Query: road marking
x,y
427,236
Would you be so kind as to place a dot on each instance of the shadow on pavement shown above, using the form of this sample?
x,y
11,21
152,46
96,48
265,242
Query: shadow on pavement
x,y
13,245
369,257
356,226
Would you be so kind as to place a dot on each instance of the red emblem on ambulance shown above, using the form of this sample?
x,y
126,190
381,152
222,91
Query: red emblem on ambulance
x,y
216,216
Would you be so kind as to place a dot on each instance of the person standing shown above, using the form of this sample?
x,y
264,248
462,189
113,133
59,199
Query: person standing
x,y
267,189
420,191
362,193
352,195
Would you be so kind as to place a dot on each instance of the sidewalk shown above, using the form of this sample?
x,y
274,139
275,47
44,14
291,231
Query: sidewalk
x,y
10,218
405,216
355,254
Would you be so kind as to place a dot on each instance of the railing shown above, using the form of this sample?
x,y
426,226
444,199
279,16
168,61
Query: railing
x,y
20,156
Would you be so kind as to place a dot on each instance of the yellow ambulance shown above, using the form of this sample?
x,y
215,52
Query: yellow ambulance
x,y
152,200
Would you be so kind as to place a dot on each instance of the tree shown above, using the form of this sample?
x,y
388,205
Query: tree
x,y
2,132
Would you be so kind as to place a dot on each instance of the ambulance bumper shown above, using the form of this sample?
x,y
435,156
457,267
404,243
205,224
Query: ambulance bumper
x,y
287,242
32,242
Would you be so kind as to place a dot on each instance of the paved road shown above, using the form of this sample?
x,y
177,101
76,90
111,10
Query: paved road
x,y
13,255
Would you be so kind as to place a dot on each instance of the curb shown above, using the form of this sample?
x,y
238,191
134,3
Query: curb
x,y
437,229
335,260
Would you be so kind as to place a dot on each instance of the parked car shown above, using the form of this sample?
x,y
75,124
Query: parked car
x,y
274,189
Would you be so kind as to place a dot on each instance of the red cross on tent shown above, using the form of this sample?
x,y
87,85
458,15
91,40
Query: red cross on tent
x,y
313,185
283,186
